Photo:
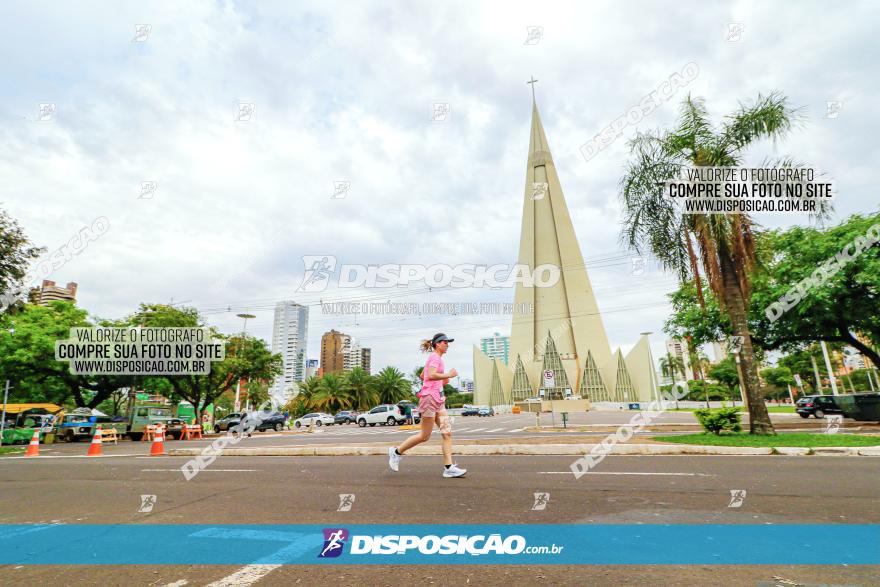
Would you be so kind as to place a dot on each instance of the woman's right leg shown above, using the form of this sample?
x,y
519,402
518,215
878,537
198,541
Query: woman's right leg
x,y
424,435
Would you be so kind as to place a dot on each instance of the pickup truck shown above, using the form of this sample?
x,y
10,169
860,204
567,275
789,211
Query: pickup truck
x,y
144,416
74,427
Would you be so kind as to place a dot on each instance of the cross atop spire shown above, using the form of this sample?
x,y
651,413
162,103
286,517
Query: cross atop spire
x,y
531,82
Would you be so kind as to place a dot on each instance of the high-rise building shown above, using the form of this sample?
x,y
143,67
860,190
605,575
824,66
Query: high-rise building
x,y
496,346
290,338
334,344
49,292
678,349
466,385
356,356
558,349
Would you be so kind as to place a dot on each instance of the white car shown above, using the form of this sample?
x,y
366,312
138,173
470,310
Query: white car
x,y
386,414
316,418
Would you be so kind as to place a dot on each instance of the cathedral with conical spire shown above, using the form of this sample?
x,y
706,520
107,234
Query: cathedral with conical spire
x,y
558,350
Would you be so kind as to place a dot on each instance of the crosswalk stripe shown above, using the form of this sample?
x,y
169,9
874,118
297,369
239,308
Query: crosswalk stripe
x,y
496,430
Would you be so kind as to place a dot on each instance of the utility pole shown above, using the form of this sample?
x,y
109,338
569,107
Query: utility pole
x,y
828,366
816,372
3,421
238,382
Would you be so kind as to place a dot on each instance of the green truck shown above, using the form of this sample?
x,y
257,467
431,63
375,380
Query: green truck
x,y
144,416
22,419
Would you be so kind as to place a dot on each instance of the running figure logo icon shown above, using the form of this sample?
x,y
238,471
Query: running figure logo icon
x,y
147,503
346,500
737,497
334,541
319,269
541,501
833,423
539,190
735,344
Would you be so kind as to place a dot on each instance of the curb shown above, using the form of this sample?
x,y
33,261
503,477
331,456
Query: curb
x,y
535,449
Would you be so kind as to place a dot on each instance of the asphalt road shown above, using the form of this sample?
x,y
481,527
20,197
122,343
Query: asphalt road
x,y
624,489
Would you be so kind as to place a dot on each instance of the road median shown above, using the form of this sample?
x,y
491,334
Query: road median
x,y
500,449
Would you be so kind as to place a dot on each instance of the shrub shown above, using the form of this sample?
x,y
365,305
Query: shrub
x,y
718,421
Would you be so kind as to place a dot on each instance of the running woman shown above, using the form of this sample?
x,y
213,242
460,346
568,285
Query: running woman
x,y
432,407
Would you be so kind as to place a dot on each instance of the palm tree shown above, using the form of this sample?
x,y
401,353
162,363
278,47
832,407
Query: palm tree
x,y
308,389
417,378
358,385
331,395
723,244
391,386
668,366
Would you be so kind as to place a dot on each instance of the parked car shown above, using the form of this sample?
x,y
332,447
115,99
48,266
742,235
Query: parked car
x,y
386,414
817,405
861,407
345,417
227,422
265,421
470,411
316,418
486,411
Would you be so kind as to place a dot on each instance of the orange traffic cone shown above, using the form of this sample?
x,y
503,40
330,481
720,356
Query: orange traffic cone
x,y
157,449
95,447
33,449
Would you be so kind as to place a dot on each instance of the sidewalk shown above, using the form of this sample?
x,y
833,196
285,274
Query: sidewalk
x,y
565,445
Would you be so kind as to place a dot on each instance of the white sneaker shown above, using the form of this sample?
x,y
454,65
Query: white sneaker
x,y
393,459
454,471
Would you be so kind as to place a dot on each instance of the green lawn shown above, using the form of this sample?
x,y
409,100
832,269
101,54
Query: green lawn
x,y
804,439
11,449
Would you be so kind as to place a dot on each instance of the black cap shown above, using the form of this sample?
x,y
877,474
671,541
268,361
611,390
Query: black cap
x,y
440,337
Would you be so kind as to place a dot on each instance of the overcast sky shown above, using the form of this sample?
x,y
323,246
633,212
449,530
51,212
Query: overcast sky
x,y
344,91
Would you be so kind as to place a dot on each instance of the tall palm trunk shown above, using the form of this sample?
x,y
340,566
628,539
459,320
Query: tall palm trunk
x,y
759,419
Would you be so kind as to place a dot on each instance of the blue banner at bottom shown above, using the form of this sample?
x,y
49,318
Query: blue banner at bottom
x,y
372,544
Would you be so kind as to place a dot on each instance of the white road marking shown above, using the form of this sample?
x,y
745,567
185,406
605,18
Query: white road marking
x,y
213,470
75,457
245,576
496,430
180,583
473,430
624,473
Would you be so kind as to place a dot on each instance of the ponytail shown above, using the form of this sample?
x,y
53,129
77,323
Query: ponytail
x,y
426,346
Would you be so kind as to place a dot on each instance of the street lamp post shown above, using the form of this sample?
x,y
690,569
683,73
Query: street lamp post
x,y
238,382
828,366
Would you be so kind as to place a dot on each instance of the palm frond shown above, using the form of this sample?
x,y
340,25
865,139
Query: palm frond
x,y
768,117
